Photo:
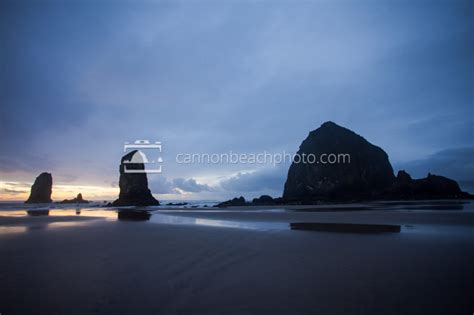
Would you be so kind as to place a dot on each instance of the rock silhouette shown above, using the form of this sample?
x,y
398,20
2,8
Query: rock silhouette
x,y
366,173
232,202
133,186
78,199
41,189
263,200
432,186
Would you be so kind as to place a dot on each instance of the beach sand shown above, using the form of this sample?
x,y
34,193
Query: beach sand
x,y
68,264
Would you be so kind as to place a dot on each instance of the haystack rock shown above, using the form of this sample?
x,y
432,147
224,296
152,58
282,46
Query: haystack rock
x,y
362,171
41,189
367,175
134,185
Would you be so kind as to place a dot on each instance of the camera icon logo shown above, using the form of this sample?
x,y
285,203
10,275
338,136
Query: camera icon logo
x,y
142,146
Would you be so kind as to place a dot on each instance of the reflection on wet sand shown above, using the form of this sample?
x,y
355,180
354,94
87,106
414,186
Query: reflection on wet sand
x,y
404,215
133,215
38,212
67,224
7,230
249,225
109,214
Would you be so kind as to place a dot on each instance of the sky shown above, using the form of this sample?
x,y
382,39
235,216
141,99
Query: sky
x,y
80,78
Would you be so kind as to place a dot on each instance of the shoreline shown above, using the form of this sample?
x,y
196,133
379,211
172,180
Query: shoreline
x,y
83,264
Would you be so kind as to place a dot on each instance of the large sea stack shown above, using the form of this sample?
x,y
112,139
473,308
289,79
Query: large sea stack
x,y
41,189
134,185
365,170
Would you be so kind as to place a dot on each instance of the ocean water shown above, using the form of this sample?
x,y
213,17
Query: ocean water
x,y
13,205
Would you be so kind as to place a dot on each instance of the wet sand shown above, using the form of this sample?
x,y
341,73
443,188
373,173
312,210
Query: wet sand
x,y
79,264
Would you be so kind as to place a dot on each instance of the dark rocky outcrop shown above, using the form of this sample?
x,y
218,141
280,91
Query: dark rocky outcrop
x,y
263,200
176,203
78,199
41,189
432,186
133,186
366,173
232,203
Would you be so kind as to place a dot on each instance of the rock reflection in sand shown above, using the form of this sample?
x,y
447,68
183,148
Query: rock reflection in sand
x,y
38,212
180,220
133,215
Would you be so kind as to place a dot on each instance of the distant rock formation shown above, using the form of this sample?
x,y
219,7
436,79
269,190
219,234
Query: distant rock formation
x,y
41,189
176,203
367,172
133,186
266,200
232,203
263,200
368,175
78,199
433,186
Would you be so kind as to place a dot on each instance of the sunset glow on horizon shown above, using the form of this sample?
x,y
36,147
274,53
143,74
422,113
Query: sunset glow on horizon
x,y
19,191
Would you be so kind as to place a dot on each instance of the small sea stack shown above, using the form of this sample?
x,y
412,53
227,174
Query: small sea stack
x,y
78,199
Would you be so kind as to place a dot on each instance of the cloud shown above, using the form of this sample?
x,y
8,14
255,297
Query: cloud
x,y
18,184
66,178
190,185
162,185
268,180
13,191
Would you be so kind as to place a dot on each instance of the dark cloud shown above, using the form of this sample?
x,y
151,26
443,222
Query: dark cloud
x,y
23,162
456,163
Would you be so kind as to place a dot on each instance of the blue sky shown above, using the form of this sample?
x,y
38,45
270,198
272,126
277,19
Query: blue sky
x,y
79,78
